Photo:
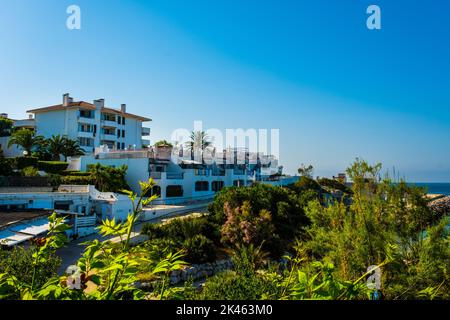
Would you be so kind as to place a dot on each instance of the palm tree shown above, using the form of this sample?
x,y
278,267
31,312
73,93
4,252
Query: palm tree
x,y
71,148
25,139
199,142
100,175
55,145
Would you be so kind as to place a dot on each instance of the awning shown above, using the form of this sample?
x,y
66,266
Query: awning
x,y
10,238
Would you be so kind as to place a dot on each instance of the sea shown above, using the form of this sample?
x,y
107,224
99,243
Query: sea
x,y
435,187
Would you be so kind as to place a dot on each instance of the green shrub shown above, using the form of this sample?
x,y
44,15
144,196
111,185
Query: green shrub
x,y
152,230
230,285
30,172
24,162
52,166
199,249
76,180
6,166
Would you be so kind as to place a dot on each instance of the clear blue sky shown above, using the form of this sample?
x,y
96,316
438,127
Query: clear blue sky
x,y
310,68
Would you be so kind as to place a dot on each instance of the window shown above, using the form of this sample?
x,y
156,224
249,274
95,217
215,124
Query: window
x,y
84,127
119,119
108,131
217,186
123,120
86,142
118,145
201,186
86,114
174,191
123,145
156,190
108,117
123,133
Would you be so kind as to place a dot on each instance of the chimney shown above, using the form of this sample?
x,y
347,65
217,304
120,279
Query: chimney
x,y
30,116
100,103
123,108
65,100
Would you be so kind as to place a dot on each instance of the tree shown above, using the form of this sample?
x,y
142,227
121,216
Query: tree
x,y
71,148
55,146
163,143
108,178
306,171
199,141
5,126
25,139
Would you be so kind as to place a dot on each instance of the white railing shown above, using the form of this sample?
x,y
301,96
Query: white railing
x,y
86,221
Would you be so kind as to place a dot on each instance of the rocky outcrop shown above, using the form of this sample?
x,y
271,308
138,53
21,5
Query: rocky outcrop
x,y
440,206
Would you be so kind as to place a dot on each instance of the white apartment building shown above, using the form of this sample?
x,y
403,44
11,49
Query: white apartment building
x,y
92,124
180,179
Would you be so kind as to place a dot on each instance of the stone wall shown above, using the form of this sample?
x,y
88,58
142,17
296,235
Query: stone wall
x,y
200,271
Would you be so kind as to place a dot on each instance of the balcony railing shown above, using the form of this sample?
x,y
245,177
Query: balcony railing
x,y
174,176
145,131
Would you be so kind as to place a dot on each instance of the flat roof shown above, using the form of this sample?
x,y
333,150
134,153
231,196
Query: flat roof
x,y
11,217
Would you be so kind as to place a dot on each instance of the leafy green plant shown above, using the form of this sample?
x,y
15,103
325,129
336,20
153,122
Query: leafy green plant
x,y
15,286
30,172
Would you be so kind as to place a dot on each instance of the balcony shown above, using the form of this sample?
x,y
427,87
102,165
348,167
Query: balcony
x,y
27,123
109,123
145,132
85,134
108,137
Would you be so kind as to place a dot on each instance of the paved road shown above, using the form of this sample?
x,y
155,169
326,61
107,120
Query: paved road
x,y
73,251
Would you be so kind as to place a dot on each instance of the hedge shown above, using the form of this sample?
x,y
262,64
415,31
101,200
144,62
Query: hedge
x,y
52,166
75,173
24,162
77,180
